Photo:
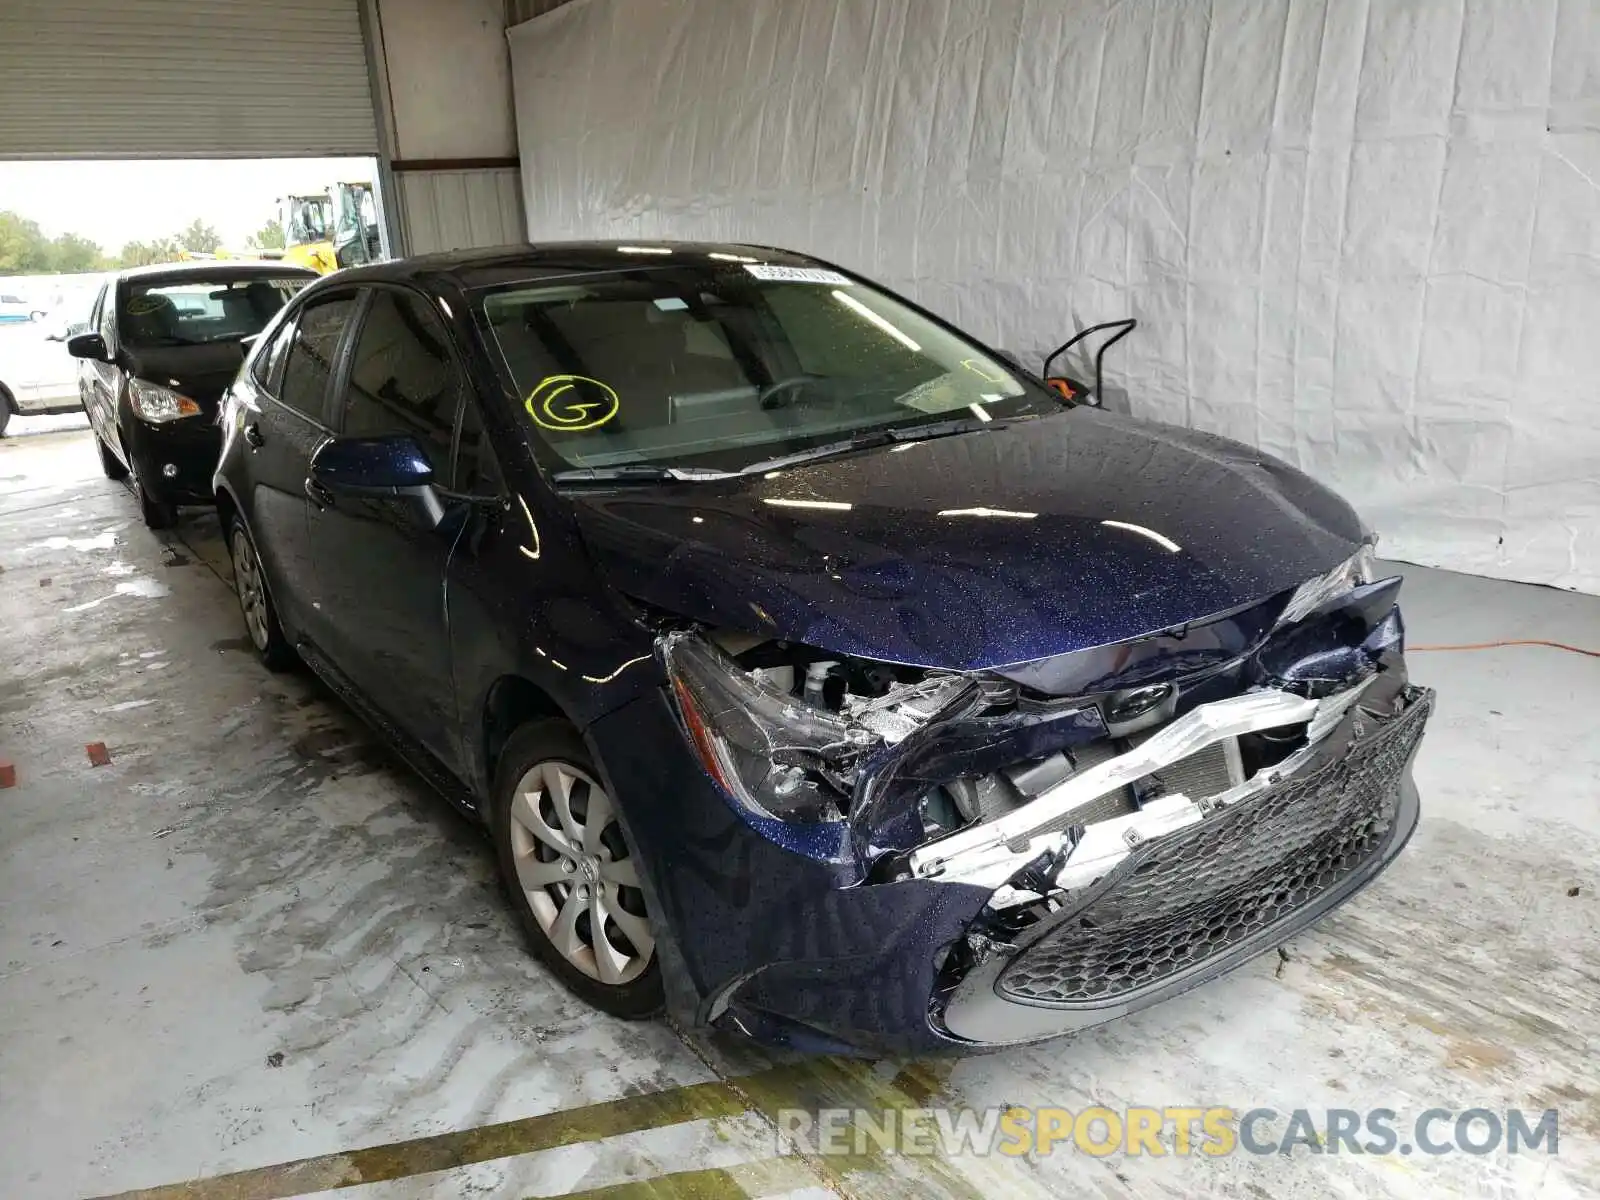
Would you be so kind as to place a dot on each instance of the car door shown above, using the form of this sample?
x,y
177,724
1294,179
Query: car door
x,y
84,367
381,569
284,419
100,383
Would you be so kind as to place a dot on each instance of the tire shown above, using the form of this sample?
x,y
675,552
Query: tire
x,y
7,404
255,600
621,976
157,514
109,462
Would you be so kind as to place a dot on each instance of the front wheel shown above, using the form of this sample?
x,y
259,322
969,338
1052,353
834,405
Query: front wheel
x,y
109,462
572,876
157,514
260,617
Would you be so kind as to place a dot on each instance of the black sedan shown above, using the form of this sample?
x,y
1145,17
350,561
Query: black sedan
x,y
162,345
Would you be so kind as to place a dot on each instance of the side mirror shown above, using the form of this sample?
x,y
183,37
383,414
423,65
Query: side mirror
x,y
376,468
88,345
1071,388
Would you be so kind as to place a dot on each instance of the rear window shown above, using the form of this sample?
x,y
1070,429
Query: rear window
x,y
193,312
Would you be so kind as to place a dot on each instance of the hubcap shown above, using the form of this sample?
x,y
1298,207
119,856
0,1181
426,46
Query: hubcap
x,y
574,867
252,599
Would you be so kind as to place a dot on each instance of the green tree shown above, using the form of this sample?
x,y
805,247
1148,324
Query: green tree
x,y
24,250
268,237
71,253
143,254
199,237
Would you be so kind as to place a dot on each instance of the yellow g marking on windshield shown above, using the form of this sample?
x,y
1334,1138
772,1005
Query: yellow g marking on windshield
x,y
978,369
138,306
572,403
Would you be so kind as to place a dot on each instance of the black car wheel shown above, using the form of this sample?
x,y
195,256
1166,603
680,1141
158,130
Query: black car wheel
x,y
255,602
157,514
572,877
109,462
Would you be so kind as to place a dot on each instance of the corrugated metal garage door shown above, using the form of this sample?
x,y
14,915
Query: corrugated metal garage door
x,y
183,79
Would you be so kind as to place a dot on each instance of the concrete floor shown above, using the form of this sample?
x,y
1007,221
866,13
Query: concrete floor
x,y
252,940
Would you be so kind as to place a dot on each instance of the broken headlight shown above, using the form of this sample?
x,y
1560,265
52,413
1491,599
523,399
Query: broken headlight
x,y
1314,593
770,751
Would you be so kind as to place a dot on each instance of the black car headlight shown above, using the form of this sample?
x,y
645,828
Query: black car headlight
x,y
157,404
769,751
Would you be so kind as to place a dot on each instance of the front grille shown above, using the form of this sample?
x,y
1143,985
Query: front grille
x,y
1194,894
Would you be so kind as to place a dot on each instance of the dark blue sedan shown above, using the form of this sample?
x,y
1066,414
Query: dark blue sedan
x,y
817,672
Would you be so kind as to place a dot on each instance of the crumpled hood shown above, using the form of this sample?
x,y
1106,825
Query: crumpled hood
x,y
980,550
202,373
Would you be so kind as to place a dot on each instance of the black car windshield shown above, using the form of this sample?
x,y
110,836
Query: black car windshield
x,y
726,364
193,312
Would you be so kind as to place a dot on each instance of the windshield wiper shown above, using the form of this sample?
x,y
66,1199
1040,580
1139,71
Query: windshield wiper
x,y
868,440
162,342
881,437
638,473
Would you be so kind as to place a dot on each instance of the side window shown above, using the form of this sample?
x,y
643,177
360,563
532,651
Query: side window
x,y
104,309
267,367
309,364
403,379
477,473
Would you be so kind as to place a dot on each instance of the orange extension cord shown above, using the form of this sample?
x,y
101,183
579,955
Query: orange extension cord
x,y
1510,642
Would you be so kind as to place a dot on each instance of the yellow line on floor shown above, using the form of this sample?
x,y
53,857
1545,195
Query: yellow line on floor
x,y
441,1152
762,1178
809,1083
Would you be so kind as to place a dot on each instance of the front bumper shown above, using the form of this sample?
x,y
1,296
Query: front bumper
x,y
1182,909
192,446
794,946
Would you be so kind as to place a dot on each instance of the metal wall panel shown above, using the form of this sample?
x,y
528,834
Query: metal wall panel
x,y
453,210
183,79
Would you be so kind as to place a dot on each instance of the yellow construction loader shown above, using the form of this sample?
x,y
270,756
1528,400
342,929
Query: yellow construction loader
x,y
328,230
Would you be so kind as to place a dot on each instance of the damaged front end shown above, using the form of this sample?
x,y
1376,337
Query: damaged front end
x,y
1141,817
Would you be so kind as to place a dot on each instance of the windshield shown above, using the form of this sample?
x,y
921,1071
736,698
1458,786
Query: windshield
x,y
309,219
192,312
723,366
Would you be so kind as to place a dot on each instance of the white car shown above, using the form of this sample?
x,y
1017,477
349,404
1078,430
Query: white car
x,y
22,401
18,308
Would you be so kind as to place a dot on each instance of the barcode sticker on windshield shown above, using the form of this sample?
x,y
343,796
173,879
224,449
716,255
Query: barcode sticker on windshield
x,y
797,275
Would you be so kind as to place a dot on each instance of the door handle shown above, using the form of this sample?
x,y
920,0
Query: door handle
x,y
320,496
252,434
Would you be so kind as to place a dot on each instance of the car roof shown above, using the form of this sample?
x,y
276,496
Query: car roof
x,y
506,264
231,268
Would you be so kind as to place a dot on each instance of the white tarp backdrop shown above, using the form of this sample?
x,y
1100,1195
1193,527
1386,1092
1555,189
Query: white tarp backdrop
x,y
1361,234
